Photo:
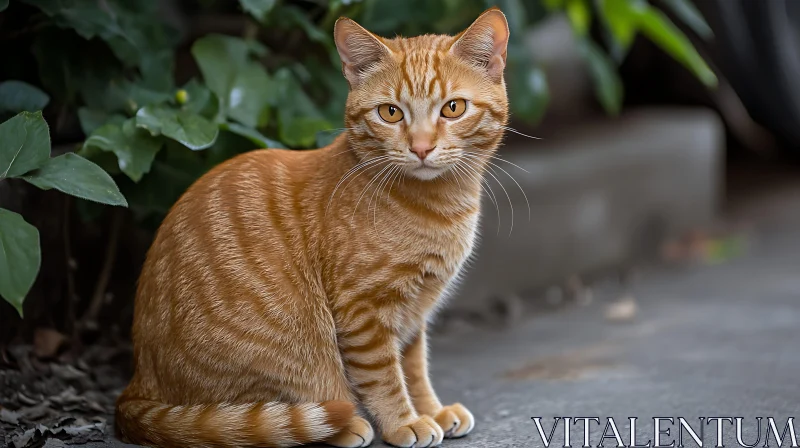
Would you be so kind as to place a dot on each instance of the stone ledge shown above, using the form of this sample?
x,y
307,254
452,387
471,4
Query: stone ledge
x,y
600,195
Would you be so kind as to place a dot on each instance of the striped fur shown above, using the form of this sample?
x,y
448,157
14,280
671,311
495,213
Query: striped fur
x,y
285,287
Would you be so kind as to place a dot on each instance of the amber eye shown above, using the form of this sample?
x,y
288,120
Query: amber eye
x,y
454,108
389,113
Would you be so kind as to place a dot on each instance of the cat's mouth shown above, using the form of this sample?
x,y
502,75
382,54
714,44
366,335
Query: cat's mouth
x,y
426,171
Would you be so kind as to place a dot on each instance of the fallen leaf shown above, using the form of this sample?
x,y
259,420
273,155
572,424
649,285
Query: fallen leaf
x,y
8,416
47,342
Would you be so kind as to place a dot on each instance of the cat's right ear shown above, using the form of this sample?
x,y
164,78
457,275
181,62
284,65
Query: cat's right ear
x,y
359,49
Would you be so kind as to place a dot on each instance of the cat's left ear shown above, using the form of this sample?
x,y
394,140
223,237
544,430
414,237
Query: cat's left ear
x,y
484,43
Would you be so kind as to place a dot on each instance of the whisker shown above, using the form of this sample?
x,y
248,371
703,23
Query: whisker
x,y
492,197
515,181
490,172
350,172
337,130
394,178
377,198
353,216
497,158
519,133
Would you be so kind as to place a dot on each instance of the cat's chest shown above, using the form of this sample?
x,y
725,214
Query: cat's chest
x,y
443,251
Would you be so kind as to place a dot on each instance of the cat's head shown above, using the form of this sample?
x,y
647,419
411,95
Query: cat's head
x,y
426,103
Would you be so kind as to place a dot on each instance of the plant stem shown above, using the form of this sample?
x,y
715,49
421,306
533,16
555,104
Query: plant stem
x,y
69,318
90,316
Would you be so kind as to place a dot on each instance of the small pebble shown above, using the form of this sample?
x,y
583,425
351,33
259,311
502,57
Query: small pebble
x,y
623,310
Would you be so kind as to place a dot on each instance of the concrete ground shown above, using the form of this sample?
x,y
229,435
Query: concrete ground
x,y
708,341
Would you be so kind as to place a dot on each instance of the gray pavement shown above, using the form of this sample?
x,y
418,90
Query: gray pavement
x,y
708,341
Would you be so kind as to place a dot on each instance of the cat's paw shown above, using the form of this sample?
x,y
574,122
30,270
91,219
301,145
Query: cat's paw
x,y
423,433
455,420
357,434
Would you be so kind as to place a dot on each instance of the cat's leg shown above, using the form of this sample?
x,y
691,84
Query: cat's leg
x,y
371,355
455,420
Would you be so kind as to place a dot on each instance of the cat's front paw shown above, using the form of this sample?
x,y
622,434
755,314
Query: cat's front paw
x,y
423,433
455,420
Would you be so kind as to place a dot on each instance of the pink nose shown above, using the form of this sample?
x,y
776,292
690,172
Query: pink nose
x,y
422,151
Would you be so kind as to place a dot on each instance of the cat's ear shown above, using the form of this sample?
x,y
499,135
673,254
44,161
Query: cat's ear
x,y
484,43
359,49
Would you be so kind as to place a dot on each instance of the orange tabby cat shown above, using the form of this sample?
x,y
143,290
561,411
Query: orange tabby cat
x,y
286,287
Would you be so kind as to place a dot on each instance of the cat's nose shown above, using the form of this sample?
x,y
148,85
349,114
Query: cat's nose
x,y
422,150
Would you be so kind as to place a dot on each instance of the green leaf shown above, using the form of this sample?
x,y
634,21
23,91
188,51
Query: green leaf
x,y
18,96
527,84
552,5
243,86
620,20
91,119
252,135
135,148
688,14
249,96
190,129
257,8
608,86
299,18
290,99
580,16
20,258
201,101
219,58
658,28
156,193
325,138
127,27
302,131
76,176
3,5
24,144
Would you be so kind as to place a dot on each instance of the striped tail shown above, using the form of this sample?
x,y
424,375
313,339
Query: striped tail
x,y
147,422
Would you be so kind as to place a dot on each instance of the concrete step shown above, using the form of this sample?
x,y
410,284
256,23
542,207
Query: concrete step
x,y
600,195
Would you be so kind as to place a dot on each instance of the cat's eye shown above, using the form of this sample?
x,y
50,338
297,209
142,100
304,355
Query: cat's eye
x,y
390,113
454,108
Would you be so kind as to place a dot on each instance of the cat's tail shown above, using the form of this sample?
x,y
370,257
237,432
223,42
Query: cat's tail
x,y
147,422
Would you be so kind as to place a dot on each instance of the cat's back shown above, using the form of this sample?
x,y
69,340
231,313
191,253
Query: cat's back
x,y
229,236
230,274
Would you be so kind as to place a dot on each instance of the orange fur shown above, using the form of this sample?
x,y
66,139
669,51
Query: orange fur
x,y
285,287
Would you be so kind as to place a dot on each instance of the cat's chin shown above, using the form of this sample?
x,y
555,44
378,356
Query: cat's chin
x,y
426,172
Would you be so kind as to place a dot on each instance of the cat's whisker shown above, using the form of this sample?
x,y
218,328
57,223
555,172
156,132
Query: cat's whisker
x,y
493,156
490,172
484,182
376,194
400,171
509,129
374,177
352,171
377,198
457,174
514,180
337,130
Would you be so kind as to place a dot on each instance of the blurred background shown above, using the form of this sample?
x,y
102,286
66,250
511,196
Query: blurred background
x,y
668,135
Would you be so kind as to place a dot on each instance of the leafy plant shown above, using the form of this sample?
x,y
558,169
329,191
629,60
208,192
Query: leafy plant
x,y
155,93
25,154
